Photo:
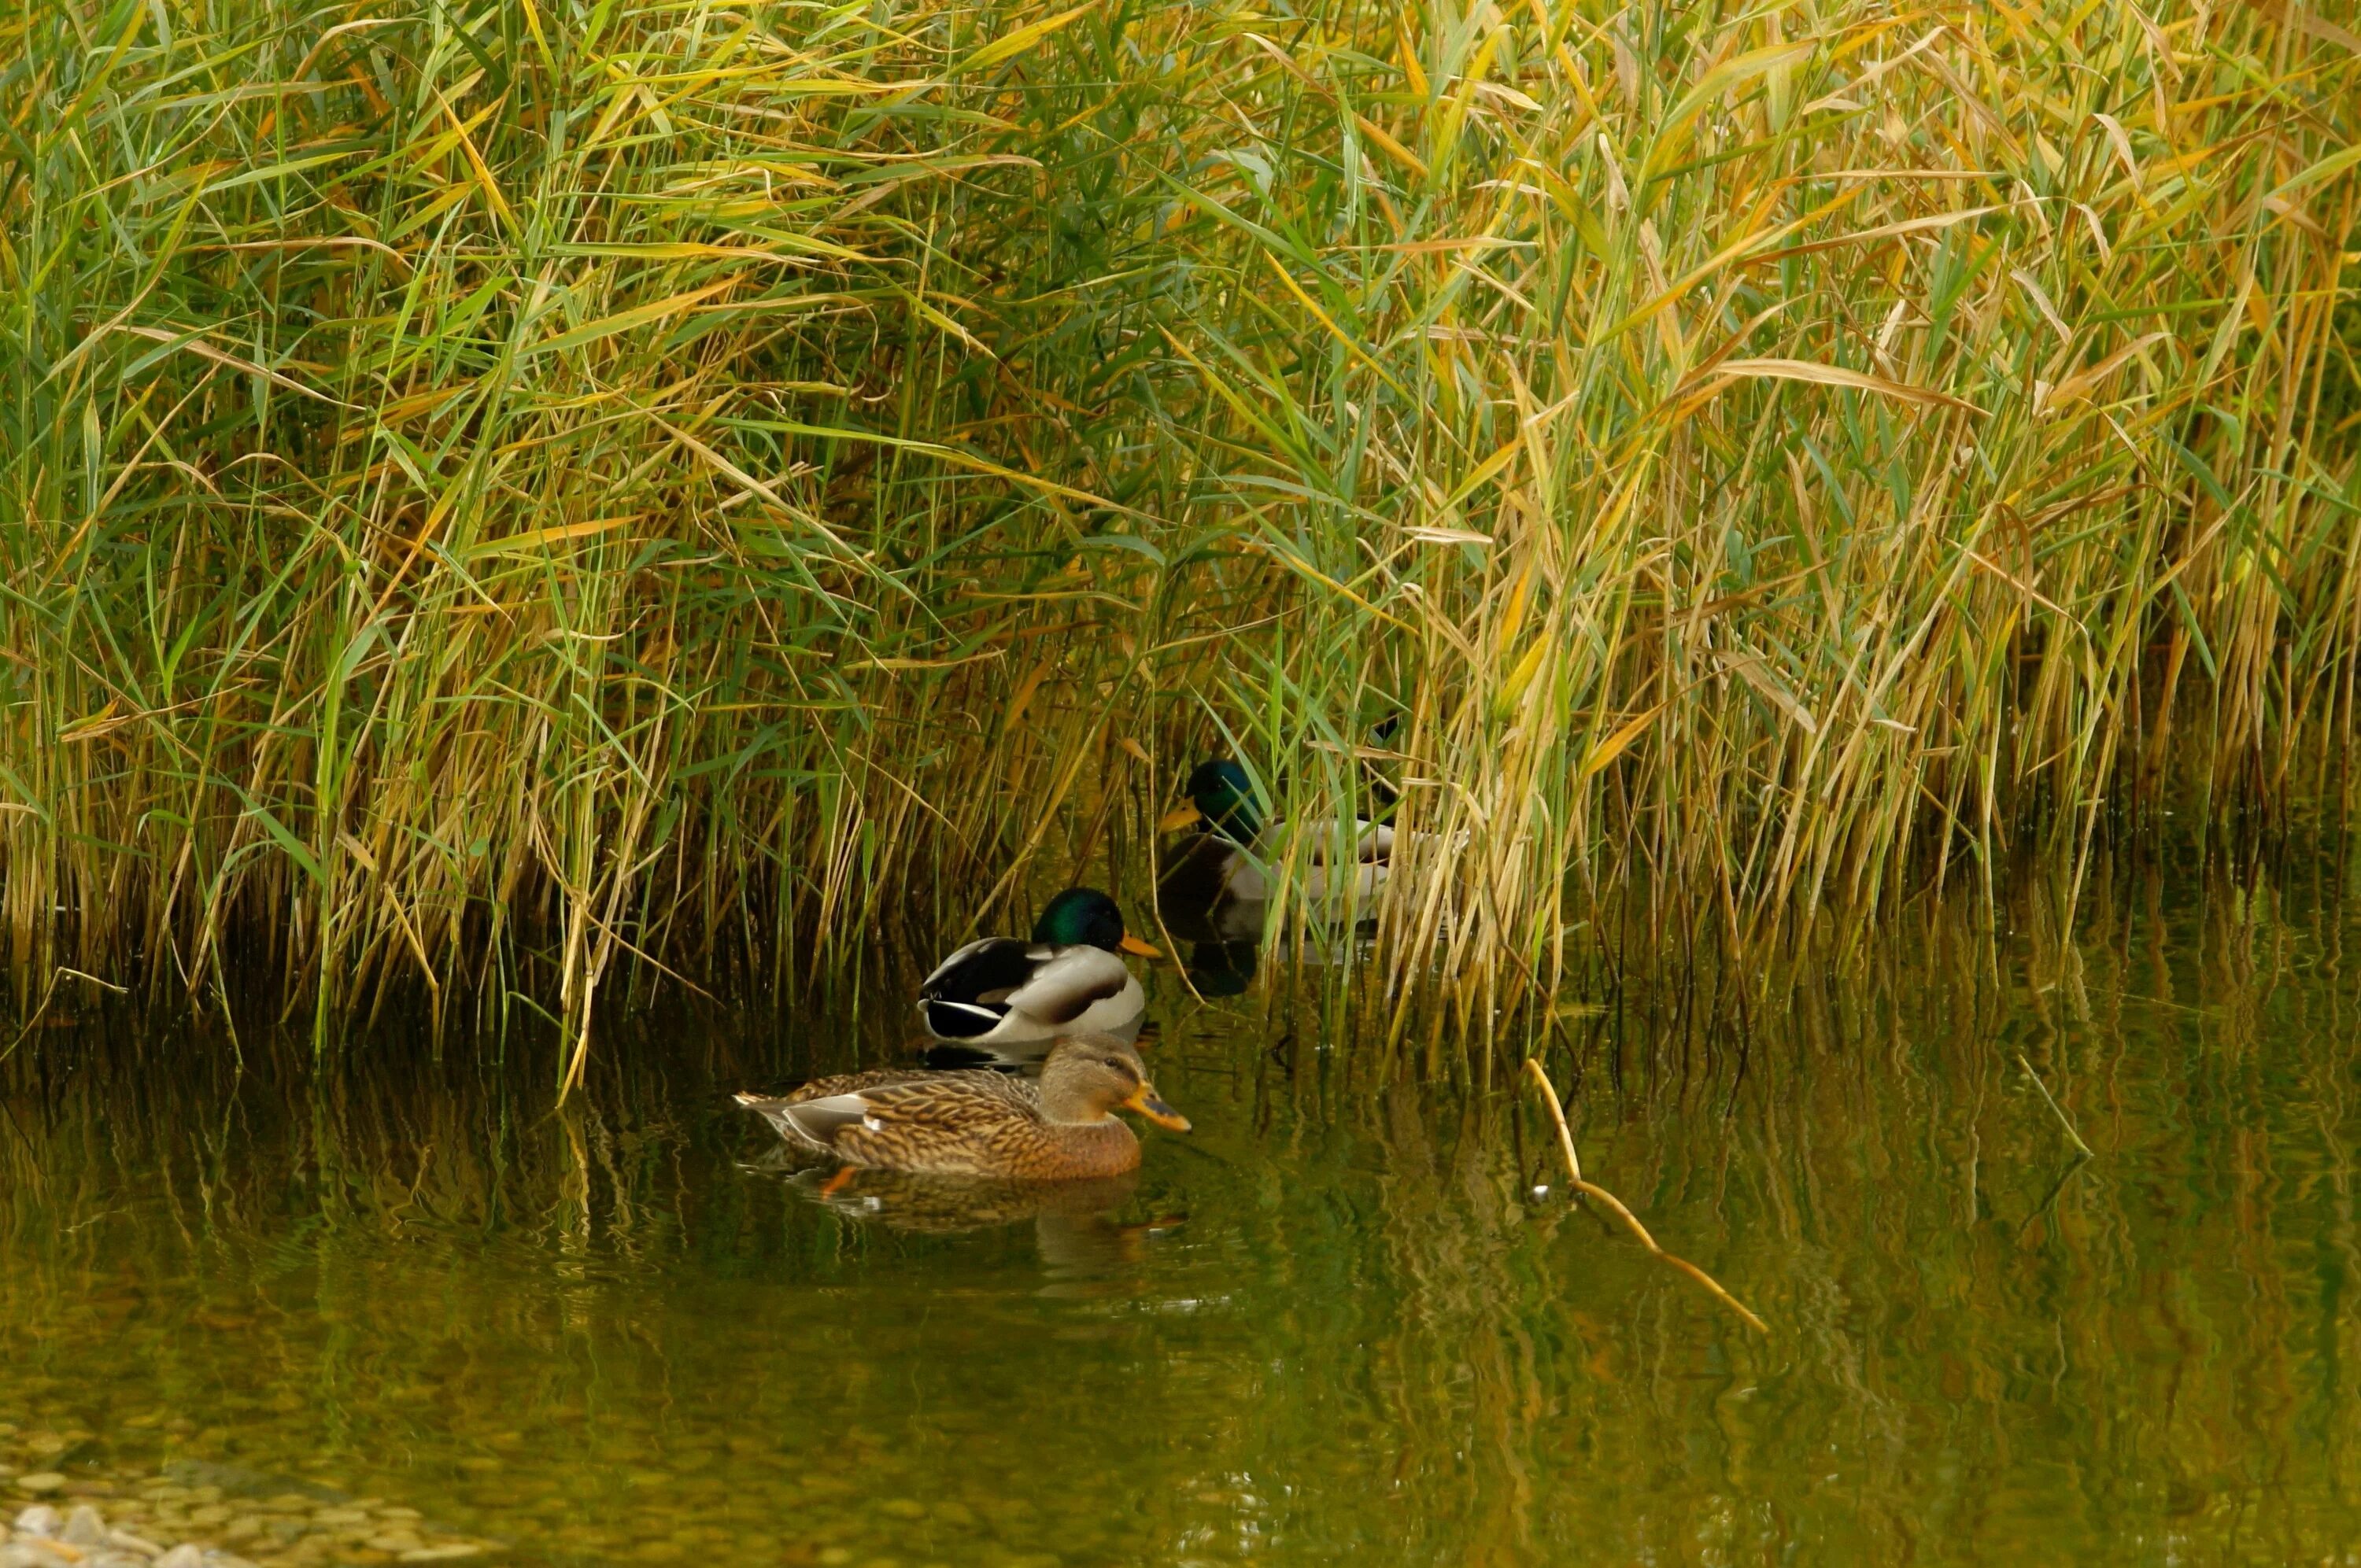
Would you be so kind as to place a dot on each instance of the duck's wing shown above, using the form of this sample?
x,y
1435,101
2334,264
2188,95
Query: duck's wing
x,y
1249,877
1373,843
816,1122
932,1111
782,1115
1068,982
832,1097
996,963
954,1099
848,1083
969,993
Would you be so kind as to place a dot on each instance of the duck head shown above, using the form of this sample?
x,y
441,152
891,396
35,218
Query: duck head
x,y
1083,917
1088,1078
1225,800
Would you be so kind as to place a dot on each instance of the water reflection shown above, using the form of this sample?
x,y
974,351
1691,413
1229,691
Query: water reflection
x,y
614,1335
1224,942
1074,1224
1224,939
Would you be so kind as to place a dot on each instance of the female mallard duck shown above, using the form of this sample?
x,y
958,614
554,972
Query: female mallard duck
x,y
1224,860
981,1123
1009,998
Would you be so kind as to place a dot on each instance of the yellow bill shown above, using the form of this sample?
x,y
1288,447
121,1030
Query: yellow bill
x,y
1150,1104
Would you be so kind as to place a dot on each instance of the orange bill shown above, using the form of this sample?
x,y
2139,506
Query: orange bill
x,y
1148,1103
1131,944
1179,816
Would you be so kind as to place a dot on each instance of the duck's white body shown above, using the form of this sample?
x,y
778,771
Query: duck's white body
x,y
1250,875
1002,991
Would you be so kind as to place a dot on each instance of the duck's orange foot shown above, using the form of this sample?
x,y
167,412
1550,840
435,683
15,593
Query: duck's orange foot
x,y
840,1181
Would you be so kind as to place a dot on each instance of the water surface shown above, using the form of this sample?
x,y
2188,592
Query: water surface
x,y
1336,1323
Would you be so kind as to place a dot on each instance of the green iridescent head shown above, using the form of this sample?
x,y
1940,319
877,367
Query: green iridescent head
x,y
1078,917
1224,798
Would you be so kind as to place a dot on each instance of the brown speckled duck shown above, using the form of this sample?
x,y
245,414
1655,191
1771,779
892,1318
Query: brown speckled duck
x,y
979,1122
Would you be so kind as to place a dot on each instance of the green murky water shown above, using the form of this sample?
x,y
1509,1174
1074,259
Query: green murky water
x,y
1334,1325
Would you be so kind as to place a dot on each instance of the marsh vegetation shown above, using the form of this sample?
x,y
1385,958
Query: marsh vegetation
x,y
510,504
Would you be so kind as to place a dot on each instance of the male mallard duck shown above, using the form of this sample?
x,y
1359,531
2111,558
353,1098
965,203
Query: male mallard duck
x,y
981,1123
1222,858
1010,999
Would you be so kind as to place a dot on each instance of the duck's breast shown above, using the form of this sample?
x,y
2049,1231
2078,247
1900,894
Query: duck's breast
x,y
1068,1152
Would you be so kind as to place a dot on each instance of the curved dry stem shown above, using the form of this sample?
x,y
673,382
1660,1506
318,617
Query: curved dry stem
x,y
1592,1190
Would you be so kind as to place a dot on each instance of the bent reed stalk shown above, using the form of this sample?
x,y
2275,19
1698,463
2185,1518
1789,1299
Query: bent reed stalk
x,y
504,495
1616,1206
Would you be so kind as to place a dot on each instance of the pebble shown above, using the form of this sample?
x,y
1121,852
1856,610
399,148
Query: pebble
x,y
40,1483
291,1529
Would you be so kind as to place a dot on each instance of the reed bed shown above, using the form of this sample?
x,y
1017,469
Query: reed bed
x,y
513,501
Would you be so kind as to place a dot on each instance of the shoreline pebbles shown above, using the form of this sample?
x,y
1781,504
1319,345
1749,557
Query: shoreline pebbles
x,y
154,1521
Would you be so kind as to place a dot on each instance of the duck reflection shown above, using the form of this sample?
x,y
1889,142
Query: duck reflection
x,y
950,1205
1225,938
1074,1228
1221,968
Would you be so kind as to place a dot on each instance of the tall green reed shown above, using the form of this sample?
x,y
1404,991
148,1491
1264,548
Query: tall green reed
x,y
518,501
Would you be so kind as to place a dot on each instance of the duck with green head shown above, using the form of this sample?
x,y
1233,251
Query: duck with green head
x,y
1228,853
1008,999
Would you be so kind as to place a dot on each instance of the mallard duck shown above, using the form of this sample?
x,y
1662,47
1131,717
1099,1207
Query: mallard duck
x,y
1222,859
1008,999
981,1123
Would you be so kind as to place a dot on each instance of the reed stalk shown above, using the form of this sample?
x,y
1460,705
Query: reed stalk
x,y
1615,1207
